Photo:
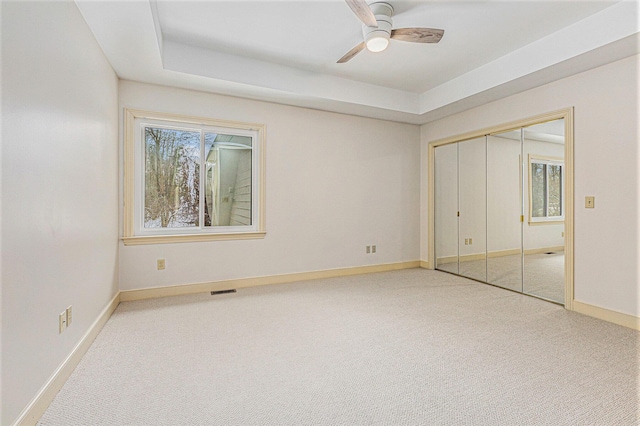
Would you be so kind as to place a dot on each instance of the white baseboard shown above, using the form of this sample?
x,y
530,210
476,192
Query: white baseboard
x,y
497,253
176,290
615,317
39,404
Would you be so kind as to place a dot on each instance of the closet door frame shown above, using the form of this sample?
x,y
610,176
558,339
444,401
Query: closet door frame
x,y
567,115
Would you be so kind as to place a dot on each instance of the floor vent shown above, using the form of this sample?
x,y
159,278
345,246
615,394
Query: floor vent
x,y
213,293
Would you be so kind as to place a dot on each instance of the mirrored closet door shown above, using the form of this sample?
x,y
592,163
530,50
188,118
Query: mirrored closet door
x,y
504,201
472,199
543,230
499,209
446,204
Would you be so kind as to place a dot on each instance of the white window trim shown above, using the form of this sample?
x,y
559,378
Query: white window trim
x,y
548,220
134,234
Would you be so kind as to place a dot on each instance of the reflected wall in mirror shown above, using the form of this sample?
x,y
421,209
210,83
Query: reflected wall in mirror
x,y
446,204
504,208
543,240
472,198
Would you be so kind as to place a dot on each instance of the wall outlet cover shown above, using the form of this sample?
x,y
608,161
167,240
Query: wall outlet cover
x,y
62,322
69,315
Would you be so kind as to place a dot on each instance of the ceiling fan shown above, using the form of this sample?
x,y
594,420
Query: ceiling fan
x,y
377,29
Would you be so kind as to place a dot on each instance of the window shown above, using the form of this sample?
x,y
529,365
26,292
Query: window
x,y
192,179
546,198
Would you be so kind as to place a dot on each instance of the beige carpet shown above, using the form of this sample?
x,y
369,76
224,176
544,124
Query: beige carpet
x,y
412,347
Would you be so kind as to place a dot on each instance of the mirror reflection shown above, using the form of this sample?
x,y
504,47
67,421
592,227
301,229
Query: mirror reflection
x,y
473,209
500,209
543,236
504,199
446,204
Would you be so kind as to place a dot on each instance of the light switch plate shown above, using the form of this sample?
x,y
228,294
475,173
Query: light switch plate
x,y
589,202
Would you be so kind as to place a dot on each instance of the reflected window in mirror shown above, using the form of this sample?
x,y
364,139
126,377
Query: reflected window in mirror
x,y
546,198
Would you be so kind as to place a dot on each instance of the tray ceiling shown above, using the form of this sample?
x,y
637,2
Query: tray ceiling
x,y
286,51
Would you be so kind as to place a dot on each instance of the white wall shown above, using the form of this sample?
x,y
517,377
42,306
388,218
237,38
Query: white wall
x,y
335,183
606,166
59,191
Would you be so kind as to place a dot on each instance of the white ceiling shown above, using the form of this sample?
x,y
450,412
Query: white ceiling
x,y
286,51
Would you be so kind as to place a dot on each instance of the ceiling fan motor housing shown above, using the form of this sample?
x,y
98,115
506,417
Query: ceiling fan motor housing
x,y
383,13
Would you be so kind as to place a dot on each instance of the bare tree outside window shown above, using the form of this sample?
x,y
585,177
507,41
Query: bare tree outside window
x,y
172,178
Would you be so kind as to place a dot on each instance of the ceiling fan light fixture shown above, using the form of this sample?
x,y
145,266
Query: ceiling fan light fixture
x,y
376,39
377,36
377,44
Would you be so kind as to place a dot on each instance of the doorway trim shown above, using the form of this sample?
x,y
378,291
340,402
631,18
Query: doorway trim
x,y
567,115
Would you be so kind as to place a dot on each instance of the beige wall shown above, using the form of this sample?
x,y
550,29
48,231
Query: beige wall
x,y
606,166
335,183
59,191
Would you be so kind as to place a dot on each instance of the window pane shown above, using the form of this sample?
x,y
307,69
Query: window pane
x,y
555,190
228,185
538,189
212,178
172,178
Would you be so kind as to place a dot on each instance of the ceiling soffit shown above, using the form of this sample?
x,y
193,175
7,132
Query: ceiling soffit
x,y
152,55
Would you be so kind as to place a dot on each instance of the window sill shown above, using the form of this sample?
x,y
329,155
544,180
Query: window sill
x,y
191,238
546,222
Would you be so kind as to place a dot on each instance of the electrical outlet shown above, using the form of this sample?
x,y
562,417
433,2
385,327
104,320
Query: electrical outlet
x,y
161,264
62,322
69,315
373,249
466,241
368,249
470,241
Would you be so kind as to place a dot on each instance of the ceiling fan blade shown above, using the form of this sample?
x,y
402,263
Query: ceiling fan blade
x,y
363,12
417,35
353,52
